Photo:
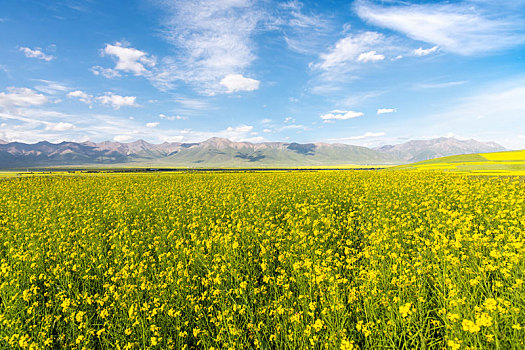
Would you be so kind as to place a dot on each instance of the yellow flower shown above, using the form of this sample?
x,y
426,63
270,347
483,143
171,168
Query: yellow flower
x,y
318,325
404,310
490,304
469,326
454,344
484,320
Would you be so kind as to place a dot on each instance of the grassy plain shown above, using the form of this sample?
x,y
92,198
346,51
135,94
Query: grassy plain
x,y
287,260
496,163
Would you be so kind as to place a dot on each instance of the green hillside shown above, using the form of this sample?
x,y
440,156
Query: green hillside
x,y
496,163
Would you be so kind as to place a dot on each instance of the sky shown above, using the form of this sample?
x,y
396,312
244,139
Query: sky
x,y
361,72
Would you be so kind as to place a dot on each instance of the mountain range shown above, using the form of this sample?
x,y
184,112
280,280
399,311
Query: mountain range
x,y
219,152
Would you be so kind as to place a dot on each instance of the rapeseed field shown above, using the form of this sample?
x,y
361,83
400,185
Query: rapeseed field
x,y
291,260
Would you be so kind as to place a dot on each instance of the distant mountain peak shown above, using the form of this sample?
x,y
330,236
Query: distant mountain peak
x,y
419,150
218,151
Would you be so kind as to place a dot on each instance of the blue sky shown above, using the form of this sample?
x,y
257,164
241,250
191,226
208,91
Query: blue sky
x,y
360,72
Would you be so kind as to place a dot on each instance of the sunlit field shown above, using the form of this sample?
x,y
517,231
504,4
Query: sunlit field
x,y
508,163
287,260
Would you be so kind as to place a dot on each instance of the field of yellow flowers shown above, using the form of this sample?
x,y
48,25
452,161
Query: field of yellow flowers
x,y
289,260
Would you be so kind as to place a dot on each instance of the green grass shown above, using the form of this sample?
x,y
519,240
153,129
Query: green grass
x,y
497,163
273,260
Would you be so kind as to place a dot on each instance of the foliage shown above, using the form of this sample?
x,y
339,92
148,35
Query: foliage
x,y
368,260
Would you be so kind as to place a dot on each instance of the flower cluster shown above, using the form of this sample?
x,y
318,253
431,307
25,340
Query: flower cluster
x,y
335,259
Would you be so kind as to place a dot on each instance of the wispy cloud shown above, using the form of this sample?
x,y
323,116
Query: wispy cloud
x,y
21,97
304,32
51,87
366,135
439,85
460,27
494,113
213,38
348,50
109,98
36,53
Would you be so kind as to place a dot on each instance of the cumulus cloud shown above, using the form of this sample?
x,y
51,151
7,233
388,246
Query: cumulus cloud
x,y
61,126
340,115
21,97
129,59
458,27
36,53
81,96
117,101
237,82
371,56
385,110
424,52
152,124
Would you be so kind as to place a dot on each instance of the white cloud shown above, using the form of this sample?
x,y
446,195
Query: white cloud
x,y
439,85
129,59
117,101
51,87
237,82
21,97
424,52
36,53
122,138
292,127
241,128
371,56
494,113
172,117
340,115
289,120
105,72
192,103
152,124
213,40
385,110
359,137
61,126
267,130
81,96
304,32
349,49
460,28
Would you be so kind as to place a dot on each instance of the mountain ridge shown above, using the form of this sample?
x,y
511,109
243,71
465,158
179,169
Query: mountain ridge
x,y
218,152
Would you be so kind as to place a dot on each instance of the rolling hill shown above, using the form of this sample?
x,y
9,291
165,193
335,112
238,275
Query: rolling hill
x,y
509,162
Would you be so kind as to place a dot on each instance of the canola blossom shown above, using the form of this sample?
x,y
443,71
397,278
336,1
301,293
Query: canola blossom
x,y
285,260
